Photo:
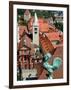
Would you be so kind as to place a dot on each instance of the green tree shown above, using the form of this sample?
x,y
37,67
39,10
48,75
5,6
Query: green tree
x,y
59,25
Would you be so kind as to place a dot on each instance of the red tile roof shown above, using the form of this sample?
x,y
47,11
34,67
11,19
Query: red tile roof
x,y
53,36
46,44
43,25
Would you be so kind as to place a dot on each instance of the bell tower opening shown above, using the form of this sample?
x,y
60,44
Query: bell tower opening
x,y
36,31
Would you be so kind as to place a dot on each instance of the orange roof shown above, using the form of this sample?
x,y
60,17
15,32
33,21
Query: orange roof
x,y
43,25
46,44
40,20
53,36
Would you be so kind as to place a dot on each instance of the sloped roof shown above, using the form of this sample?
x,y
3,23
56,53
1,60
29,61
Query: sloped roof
x,y
43,25
53,36
25,48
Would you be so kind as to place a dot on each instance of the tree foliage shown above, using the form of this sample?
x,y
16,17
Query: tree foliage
x,y
40,13
59,25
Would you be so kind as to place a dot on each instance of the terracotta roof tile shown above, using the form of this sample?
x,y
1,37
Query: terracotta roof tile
x,y
53,36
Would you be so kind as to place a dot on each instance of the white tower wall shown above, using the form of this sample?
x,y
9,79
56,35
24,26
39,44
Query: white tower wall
x,y
36,31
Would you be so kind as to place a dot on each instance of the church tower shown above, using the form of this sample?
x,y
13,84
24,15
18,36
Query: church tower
x,y
36,31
